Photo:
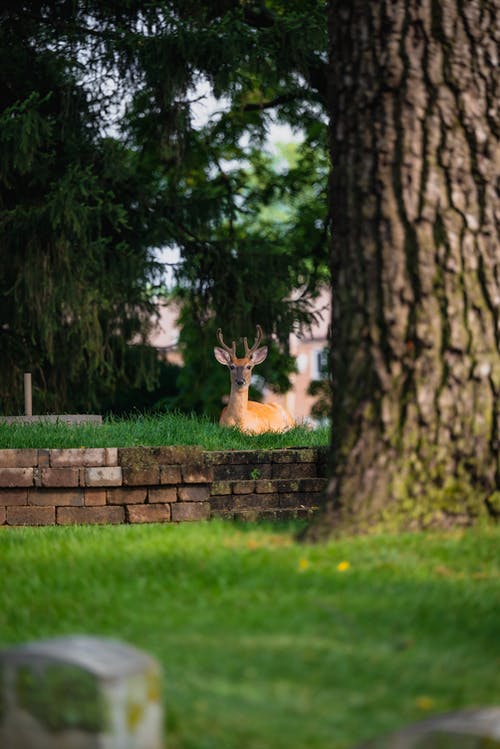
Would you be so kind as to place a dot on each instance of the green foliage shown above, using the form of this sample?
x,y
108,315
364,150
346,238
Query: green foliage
x,y
81,212
259,258
251,229
265,642
322,391
75,263
131,395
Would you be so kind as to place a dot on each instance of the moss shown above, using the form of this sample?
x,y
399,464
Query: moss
x,y
493,503
457,496
143,457
61,697
153,685
422,490
432,497
134,714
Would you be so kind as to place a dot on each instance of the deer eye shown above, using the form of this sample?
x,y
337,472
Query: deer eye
x,y
249,366
231,366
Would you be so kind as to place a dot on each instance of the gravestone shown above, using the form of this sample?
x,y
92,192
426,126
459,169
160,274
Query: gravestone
x,y
69,419
470,729
79,693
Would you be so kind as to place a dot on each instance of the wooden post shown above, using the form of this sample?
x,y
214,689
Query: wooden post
x,y
28,400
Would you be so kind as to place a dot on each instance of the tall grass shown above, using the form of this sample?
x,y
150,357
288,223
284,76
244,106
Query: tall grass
x,y
166,429
265,643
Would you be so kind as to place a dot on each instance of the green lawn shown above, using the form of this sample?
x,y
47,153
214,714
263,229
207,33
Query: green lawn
x,y
266,643
165,429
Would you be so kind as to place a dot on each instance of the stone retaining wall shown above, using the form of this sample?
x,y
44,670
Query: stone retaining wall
x,y
158,484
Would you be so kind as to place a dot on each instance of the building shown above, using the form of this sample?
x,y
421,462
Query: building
x,y
310,349
165,334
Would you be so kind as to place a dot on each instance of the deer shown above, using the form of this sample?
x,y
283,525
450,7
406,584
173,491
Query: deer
x,y
248,416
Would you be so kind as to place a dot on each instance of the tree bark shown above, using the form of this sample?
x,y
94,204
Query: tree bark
x,y
415,263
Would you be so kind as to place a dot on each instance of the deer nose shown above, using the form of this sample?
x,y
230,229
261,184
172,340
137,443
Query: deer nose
x,y
240,382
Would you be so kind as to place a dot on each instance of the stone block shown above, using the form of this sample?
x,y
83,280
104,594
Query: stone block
x,y
186,511
81,457
43,458
10,458
266,486
55,497
136,457
323,462
148,513
170,475
223,502
31,516
191,493
301,485
243,471
90,515
305,513
71,419
124,495
222,514
141,475
217,457
105,476
470,729
11,477
68,457
111,456
254,501
80,693
220,487
294,470
13,497
283,514
162,494
237,457
58,477
94,497
299,499
251,516
243,487
292,455
197,473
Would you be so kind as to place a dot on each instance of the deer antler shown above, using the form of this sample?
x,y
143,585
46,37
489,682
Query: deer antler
x,y
230,350
258,339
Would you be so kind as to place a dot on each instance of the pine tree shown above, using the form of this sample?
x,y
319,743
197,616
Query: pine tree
x,y
75,262
81,211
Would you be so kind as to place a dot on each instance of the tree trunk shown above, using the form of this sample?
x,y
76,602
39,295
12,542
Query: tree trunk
x,y
415,263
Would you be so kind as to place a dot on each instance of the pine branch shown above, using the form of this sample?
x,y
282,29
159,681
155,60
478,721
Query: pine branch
x,y
272,103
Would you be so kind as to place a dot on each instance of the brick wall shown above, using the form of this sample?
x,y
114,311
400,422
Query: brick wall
x,y
157,484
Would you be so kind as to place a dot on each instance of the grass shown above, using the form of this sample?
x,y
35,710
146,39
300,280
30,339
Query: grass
x,y
266,643
166,429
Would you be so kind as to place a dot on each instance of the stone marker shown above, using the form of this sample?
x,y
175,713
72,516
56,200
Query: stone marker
x,y
470,729
70,419
79,693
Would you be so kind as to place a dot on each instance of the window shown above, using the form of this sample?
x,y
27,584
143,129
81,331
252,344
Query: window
x,y
319,364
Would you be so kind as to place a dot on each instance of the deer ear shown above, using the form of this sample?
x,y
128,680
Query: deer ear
x,y
222,356
259,355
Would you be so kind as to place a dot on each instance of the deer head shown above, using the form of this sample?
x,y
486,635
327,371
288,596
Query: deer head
x,y
240,369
